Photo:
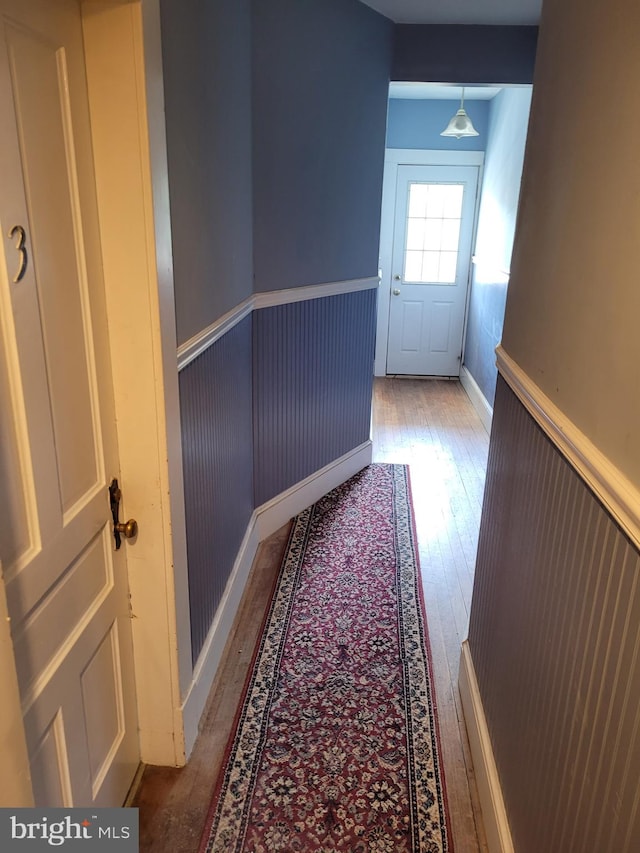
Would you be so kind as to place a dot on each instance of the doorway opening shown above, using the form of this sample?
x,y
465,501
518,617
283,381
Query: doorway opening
x,y
417,323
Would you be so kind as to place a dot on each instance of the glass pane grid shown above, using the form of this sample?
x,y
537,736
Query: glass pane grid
x,y
433,233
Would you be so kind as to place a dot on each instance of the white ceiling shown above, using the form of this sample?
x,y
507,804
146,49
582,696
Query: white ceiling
x,y
441,92
459,11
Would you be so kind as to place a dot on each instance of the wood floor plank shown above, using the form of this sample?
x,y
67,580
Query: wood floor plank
x,y
440,436
431,426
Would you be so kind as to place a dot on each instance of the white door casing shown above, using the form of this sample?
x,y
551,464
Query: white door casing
x,y
395,160
126,95
431,256
66,586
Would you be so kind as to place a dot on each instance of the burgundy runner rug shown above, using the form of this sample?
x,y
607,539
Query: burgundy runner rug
x,y
336,747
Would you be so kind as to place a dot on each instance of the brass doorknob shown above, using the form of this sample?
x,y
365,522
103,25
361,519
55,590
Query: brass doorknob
x,y
128,529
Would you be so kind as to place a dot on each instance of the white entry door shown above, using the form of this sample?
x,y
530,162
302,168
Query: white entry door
x,y
66,584
433,230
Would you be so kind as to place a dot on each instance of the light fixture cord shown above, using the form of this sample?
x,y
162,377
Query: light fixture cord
x,y
462,99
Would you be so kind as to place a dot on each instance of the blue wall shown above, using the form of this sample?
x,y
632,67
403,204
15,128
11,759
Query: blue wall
x,y
276,122
207,76
415,123
276,117
508,122
464,54
320,78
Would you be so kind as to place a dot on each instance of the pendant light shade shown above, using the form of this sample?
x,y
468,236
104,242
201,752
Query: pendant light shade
x,y
460,125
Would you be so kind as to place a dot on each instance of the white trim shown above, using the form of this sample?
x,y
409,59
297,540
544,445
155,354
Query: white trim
x,y
619,495
172,488
124,77
209,659
274,513
479,401
494,815
432,157
196,345
395,157
265,520
313,291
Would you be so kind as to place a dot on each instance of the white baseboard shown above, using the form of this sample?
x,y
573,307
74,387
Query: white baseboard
x,y
265,520
494,815
480,403
209,658
276,512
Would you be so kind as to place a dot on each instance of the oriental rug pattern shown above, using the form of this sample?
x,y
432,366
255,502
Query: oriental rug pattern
x,y
336,747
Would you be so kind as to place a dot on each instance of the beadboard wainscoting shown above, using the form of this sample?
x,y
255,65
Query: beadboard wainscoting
x,y
313,380
216,414
276,411
550,679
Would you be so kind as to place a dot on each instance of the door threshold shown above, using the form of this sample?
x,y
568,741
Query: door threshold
x,y
421,376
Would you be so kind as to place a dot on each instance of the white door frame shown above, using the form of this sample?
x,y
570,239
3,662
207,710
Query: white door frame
x,y
395,157
126,97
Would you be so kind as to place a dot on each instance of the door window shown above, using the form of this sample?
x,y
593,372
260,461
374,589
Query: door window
x,y
434,213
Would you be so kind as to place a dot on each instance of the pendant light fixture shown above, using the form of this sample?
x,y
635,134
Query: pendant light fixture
x,y
460,125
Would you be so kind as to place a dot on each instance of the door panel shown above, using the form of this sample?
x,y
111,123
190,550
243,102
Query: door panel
x,y
49,772
440,337
104,711
50,624
66,585
43,112
411,326
433,228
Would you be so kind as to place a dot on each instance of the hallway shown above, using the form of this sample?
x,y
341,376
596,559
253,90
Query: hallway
x,y
431,426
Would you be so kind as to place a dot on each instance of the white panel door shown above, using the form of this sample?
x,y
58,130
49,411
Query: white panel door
x,y
66,585
433,230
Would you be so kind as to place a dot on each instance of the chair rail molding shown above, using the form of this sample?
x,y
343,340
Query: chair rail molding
x,y
615,491
200,342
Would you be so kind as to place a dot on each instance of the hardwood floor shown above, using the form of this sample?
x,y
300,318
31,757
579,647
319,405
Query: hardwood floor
x,y
431,426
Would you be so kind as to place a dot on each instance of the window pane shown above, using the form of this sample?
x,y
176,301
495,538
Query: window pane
x,y
453,201
430,266
433,234
418,199
415,234
413,266
436,200
450,234
447,273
